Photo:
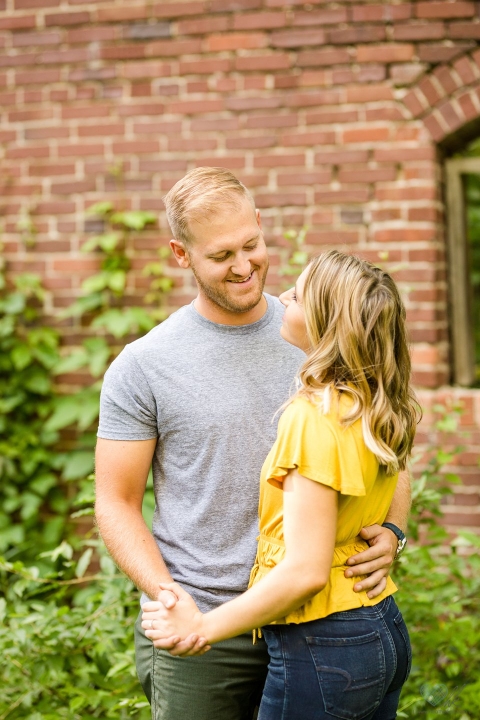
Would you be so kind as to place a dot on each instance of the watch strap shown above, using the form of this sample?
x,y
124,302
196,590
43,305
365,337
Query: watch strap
x,y
400,535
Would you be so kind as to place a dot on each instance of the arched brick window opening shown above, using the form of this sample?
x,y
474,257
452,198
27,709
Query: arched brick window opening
x,y
447,102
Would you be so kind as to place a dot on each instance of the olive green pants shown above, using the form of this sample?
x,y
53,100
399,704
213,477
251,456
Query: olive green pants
x,y
224,684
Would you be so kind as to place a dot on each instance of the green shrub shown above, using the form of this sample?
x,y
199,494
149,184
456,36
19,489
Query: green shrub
x,y
439,597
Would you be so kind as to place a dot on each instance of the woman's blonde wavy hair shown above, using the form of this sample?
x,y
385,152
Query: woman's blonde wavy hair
x,y
355,323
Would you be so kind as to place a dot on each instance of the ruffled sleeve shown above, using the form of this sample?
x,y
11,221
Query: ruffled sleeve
x,y
318,447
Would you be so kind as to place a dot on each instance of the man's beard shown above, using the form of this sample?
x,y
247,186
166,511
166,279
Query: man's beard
x,y
223,300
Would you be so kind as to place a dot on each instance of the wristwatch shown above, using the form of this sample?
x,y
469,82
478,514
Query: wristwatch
x,y
401,537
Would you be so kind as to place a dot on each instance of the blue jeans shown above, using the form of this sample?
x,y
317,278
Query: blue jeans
x,y
349,665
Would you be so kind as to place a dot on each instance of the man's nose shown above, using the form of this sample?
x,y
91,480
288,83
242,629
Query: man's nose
x,y
242,266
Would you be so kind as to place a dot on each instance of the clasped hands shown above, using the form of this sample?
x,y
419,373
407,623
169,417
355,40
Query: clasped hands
x,y
174,623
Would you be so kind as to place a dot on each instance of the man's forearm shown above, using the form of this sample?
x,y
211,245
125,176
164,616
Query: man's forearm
x,y
132,546
399,509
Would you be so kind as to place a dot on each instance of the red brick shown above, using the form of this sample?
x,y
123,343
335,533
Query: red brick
x,y
178,9
322,97
415,102
447,79
203,26
22,4
305,178
18,22
51,170
135,146
67,18
450,115
191,145
81,149
308,139
122,52
192,107
445,9
344,195
432,92
269,121
385,53
27,152
470,110
440,53
36,38
322,57
405,193
253,103
467,31
57,207
405,154
327,117
117,13
366,134
145,69
101,130
276,199
72,188
405,234
26,115
259,20
333,16
34,77
366,174
279,161
205,67
235,41
92,34
59,57
339,157
419,31
44,133
171,48
370,93
382,12
386,113
358,34
297,38
137,109
467,71
279,61
223,6
85,111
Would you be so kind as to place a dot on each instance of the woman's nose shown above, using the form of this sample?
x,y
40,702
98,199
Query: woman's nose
x,y
285,297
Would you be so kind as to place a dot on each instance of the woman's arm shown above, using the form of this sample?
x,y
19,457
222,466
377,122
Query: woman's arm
x,y
310,521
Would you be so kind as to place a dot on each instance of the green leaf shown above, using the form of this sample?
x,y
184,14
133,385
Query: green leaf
x,y
65,414
133,219
117,281
79,464
21,356
83,563
100,208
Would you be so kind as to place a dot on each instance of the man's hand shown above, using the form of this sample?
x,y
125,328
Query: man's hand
x,y
165,620
374,562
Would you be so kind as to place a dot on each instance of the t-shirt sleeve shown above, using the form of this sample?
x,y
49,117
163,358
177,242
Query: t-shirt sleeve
x,y
310,443
127,404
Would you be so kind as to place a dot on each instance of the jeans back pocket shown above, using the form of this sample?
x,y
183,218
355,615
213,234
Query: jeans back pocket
x,y
351,673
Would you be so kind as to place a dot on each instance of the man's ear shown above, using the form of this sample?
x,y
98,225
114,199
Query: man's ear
x,y
259,221
181,254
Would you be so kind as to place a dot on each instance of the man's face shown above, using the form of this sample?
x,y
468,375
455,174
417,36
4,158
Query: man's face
x,y
228,257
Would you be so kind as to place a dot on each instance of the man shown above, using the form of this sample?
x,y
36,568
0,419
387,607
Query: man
x,y
198,396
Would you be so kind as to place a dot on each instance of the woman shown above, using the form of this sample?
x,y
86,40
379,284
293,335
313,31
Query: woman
x,y
333,469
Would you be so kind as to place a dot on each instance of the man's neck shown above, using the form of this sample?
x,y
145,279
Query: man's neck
x,y
213,312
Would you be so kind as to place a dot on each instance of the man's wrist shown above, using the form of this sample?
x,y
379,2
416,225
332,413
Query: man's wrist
x,y
399,535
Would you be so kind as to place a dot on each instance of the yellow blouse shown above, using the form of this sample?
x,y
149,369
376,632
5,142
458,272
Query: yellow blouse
x,y
322,450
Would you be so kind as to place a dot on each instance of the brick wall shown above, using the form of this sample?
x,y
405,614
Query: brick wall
x,y
334,114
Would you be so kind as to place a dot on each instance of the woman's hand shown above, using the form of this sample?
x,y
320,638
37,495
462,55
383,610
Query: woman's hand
x,y
176,628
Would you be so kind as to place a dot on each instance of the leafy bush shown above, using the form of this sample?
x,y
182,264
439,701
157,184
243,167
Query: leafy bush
x,y
439,597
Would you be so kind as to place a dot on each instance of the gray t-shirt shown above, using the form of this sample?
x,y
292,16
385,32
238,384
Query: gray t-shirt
x,y
209,393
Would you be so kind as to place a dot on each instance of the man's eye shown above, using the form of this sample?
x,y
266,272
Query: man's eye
x,y
251,247
220,259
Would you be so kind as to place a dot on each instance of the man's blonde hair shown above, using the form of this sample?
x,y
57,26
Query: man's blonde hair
x,y
355,322
202,193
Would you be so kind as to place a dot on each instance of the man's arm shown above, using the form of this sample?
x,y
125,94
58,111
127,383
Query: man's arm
x,y
378,559
122,468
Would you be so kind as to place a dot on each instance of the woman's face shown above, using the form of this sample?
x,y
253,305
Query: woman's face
x,y
293,328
